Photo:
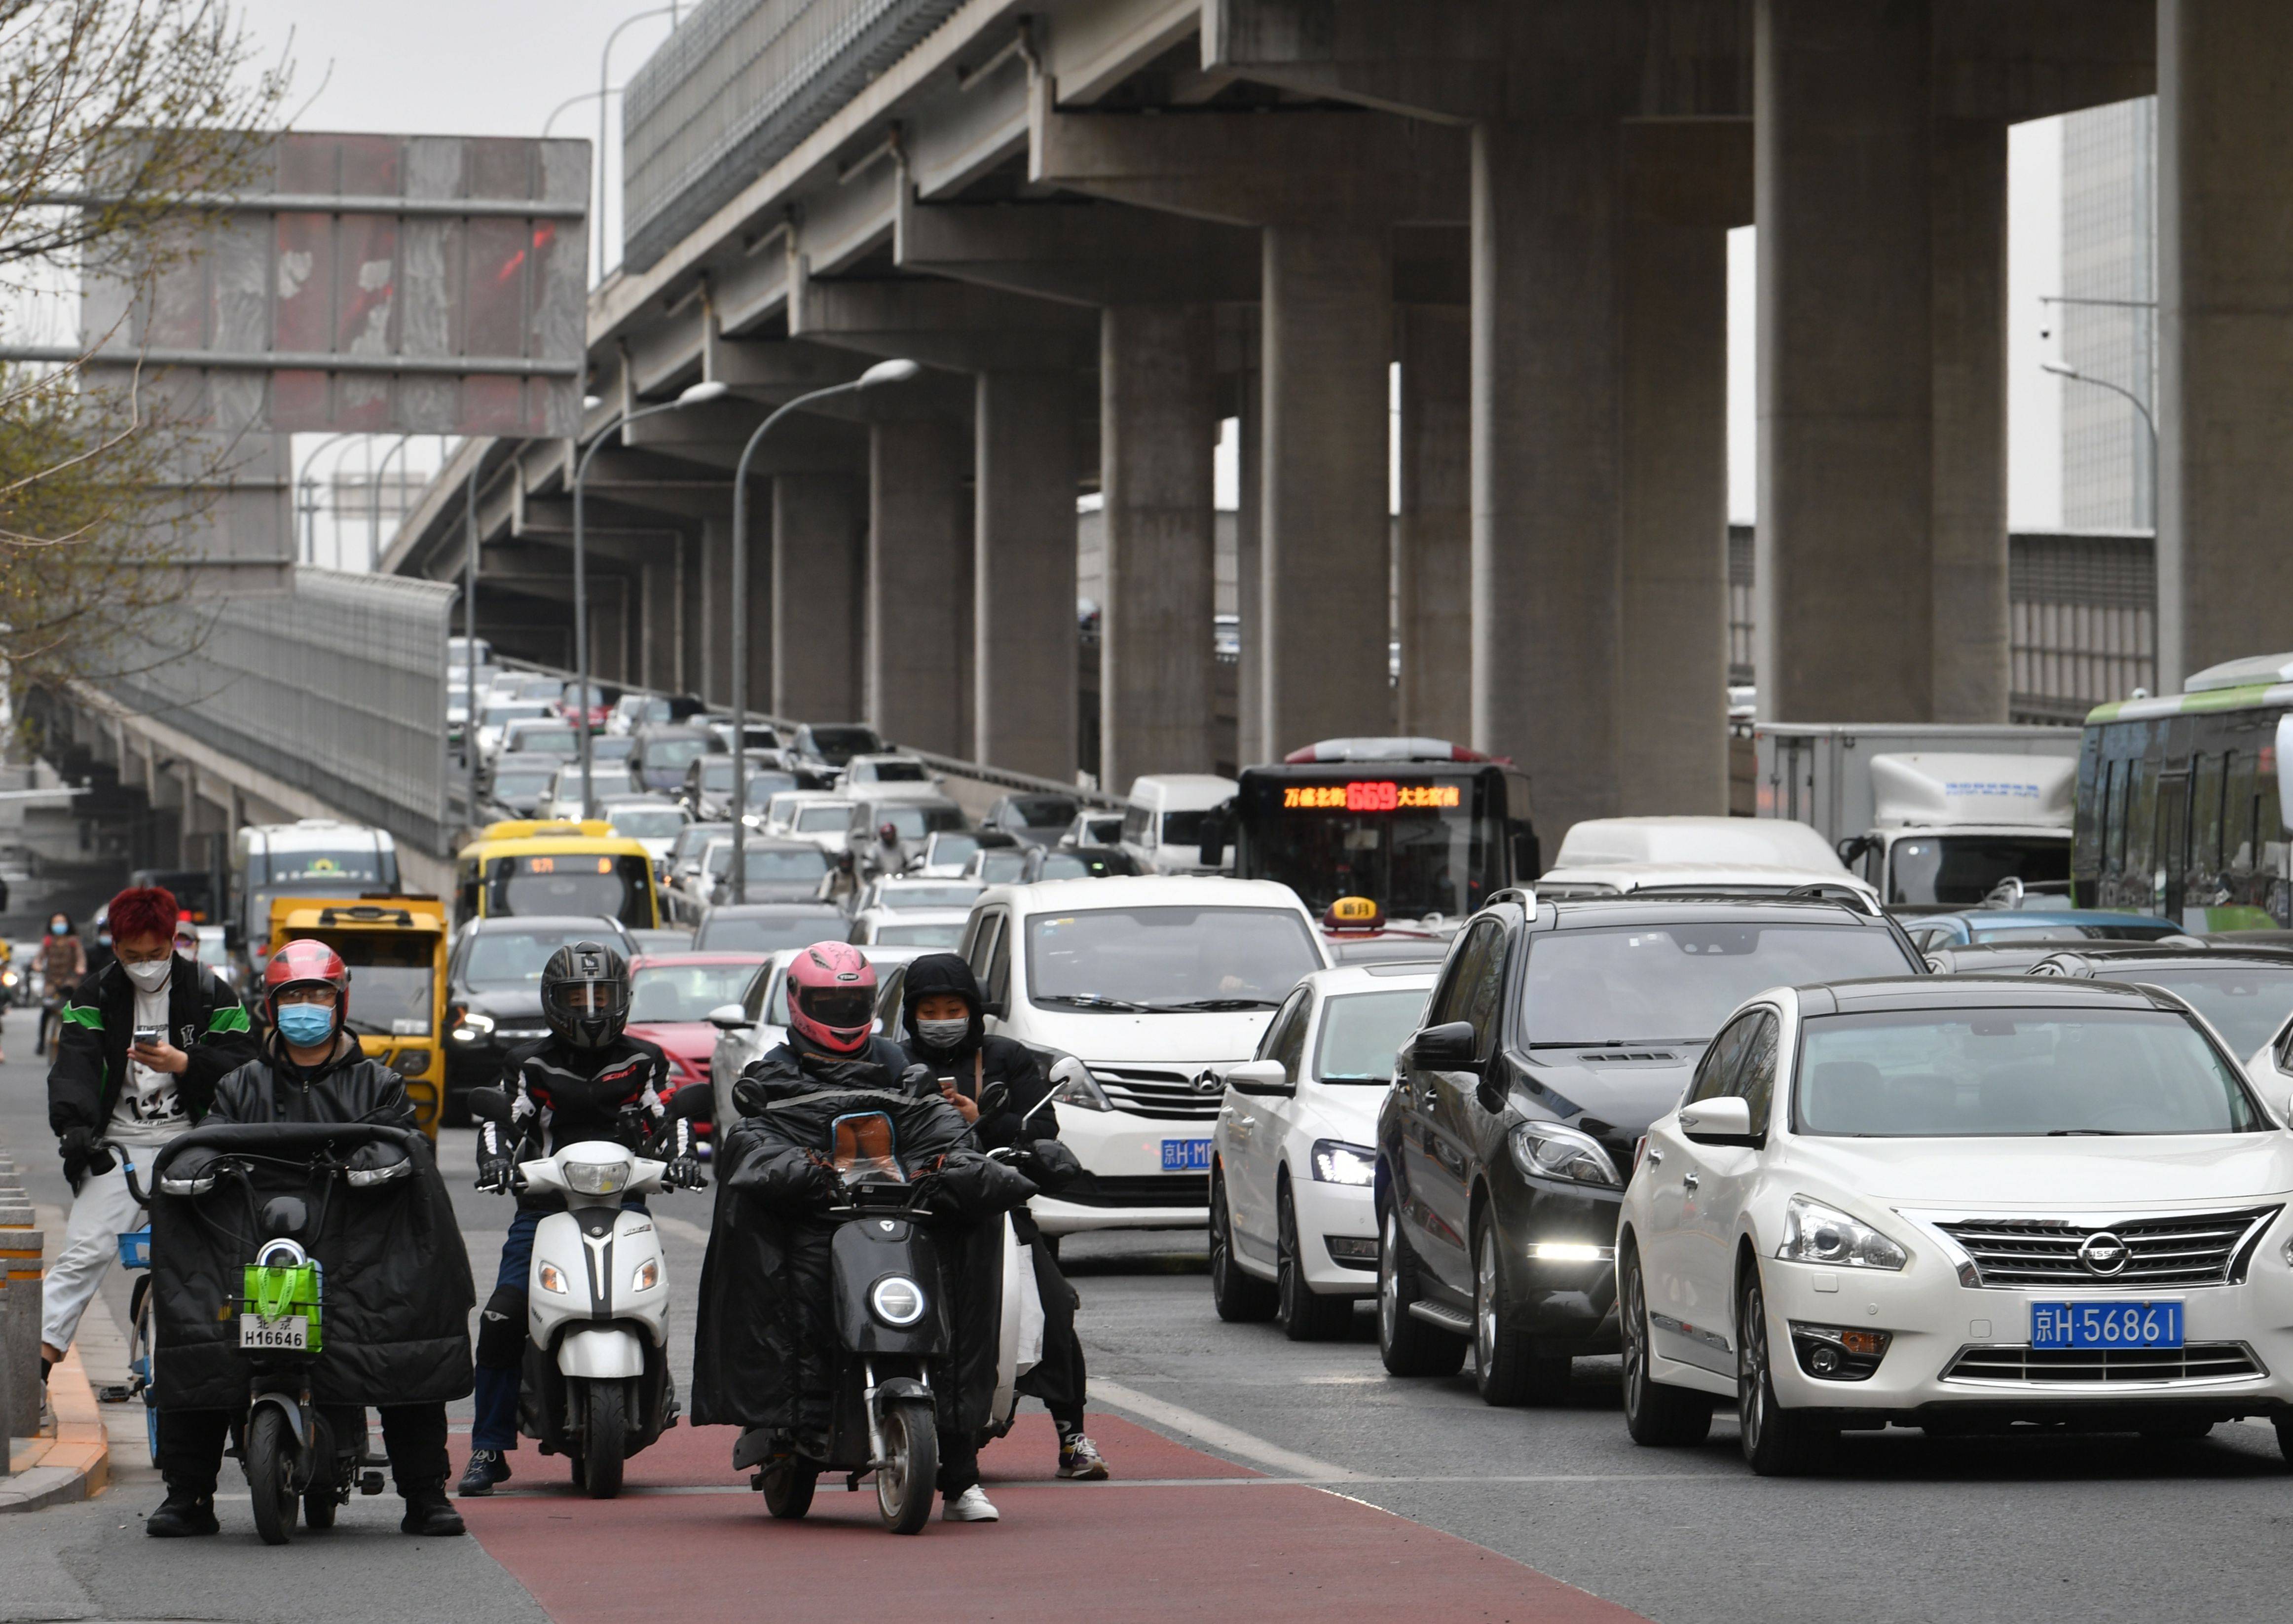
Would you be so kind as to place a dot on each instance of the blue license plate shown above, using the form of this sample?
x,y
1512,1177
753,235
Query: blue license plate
x,y
2105,1325
1186,1156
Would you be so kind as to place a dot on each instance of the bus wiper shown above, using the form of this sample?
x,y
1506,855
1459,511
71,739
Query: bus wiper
x,y
1193,1004
1094,1001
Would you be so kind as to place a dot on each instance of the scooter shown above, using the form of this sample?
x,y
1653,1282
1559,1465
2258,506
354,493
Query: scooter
x,y
596,1386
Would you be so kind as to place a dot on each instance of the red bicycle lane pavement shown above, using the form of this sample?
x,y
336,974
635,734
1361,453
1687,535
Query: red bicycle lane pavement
x,y
1181,1534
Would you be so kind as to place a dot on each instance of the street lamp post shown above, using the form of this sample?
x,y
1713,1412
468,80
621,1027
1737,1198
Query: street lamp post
x,y
876,377
2132,400
706,390
470,629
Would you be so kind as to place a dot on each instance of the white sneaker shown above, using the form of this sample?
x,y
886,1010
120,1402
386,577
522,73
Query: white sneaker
x,y
972,1506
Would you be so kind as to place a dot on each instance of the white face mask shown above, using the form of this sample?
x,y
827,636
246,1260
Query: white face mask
x,y
942,1033
151,977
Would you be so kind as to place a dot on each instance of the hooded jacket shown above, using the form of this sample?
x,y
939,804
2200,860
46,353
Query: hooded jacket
x,y
800,1065
205,1019
349,1087
1004,1076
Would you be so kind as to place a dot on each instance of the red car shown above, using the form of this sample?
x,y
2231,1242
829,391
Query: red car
x,y
670,995
569,707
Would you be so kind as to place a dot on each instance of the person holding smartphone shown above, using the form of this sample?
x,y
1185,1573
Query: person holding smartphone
x,y
139,1045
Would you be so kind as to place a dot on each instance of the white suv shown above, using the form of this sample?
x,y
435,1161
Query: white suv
x,y
1155,985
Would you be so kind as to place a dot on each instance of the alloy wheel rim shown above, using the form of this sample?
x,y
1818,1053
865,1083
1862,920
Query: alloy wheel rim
x,y
1485,1305
1286,1257
1752,1402
1388,1282
1217,1236
1635,1332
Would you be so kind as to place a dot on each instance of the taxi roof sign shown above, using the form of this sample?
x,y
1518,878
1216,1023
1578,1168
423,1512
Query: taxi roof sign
x,y
1353,913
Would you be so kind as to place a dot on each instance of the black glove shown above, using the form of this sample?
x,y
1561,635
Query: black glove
x,y
82,1155
493,1157
684,1172
1049,1165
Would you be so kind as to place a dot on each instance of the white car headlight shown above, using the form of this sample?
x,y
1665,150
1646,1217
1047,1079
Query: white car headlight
x,y
1336,1162
1814,1233
1548,1151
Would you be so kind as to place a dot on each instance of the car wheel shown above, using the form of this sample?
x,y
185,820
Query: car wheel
x,y
1657,1415
1408,1345
2284,1425
1778,1442
1239,1297
1303,1315
1507,1368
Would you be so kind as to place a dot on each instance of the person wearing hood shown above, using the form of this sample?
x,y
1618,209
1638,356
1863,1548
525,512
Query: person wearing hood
x,y
999,1087
105,1086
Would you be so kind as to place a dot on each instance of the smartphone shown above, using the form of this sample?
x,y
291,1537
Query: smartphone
x,y
150,1034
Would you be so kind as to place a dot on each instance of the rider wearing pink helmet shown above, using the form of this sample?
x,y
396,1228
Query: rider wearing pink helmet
x,y
831,1032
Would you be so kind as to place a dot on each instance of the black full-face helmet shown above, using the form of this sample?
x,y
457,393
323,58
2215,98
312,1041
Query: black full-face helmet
x,y
584,994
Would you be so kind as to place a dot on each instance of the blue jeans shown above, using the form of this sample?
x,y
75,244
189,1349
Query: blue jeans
x,y
501,1348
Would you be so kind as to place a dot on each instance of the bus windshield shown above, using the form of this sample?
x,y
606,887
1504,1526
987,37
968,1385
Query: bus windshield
x,y
1417,844
1958,871
618,887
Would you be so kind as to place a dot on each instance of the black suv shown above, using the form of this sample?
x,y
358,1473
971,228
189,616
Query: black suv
x,y
493,991
1557,1033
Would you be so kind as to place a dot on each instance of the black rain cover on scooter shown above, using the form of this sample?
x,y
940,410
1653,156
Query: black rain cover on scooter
x,y
396,1297
764,1349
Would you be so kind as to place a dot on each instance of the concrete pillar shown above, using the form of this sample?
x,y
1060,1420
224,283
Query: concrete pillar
x,y
1249,572
1327,339
816,547
918,607
1547,576
1023,579
1842,181
2226,300
1971,676
716,609
1158,428
1434,536
657,617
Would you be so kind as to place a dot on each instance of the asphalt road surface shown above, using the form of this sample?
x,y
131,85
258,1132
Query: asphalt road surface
x,y
1254,1478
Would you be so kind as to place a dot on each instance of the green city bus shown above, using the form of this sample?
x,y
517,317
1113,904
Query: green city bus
x,y
2178,806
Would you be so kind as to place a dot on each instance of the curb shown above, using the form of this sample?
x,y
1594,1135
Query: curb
x,y
76,1463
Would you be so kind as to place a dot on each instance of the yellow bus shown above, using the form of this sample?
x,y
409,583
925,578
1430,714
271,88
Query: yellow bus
x,y
529,866
395,947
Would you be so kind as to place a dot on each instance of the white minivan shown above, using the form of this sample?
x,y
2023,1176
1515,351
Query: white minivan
x,y
1155,985
1162,825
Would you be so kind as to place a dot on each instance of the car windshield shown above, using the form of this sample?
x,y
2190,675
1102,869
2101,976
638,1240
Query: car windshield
x,y
784,863
956,849
1043,811
686,992
1167,959
1958,871
1001,868
2015,1074
544,741
2132,932
839,746
944,934
502,959
769,932
948,896
610,746
522,786
914,822
822,819
898,772
510,710
648,823
1183,828
1676,983
392,972
1362,1031
2246,1003
662,753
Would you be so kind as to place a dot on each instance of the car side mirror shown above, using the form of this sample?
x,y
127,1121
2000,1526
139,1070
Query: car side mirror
x,y
1217,835
993,1007
1852,846
729,1018
1718,1122
1447,1047
489,1105
1261,1077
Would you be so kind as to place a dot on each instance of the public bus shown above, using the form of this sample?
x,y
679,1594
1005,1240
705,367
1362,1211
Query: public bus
x,y
2179,808
534,866
1424,829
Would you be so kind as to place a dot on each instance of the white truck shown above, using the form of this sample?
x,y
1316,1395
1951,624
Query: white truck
x,y
1934,816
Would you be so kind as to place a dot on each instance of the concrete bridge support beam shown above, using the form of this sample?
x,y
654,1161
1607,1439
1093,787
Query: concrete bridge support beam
x,y
1435,536
919,583
816,543
1023,573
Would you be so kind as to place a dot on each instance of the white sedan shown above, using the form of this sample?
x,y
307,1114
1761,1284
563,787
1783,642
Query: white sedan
x,y
1293,1227
1958,1204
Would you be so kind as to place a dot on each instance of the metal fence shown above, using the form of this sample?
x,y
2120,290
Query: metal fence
x,y
737,88
338,688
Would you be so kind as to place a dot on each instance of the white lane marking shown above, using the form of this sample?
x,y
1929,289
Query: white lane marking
x,y
832,1483
1219,1435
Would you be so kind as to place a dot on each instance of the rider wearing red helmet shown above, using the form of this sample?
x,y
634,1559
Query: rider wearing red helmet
x,y
310,1070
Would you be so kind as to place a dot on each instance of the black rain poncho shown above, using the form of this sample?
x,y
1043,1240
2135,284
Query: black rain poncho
x,y
765,1349
396,1297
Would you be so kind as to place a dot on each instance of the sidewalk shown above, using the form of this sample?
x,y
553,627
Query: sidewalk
x,y
74,1461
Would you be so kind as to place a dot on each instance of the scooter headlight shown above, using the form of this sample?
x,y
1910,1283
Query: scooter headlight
x,y
596,1178
896,1300
552,1279
647,1277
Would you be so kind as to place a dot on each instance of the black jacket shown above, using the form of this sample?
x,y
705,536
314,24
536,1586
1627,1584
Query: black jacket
x,y
1004,1077
569,1094
797,1066
351,1087
205,1019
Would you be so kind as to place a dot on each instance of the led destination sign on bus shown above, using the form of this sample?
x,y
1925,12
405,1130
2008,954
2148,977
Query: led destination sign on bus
x,y
1367,795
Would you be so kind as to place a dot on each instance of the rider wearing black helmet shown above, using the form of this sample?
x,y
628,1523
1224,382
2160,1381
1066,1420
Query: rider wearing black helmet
x,y
589,1079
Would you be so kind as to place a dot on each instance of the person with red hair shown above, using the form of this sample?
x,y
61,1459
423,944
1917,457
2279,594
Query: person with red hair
x,y
139,1047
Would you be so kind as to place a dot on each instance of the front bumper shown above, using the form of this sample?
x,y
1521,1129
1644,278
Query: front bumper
x,y
1328,1212
1125,1183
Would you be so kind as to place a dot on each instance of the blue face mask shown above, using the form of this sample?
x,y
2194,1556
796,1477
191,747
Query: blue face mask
x,y
305,1025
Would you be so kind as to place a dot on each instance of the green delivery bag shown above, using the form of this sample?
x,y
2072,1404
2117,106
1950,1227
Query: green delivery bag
x,y
280,1307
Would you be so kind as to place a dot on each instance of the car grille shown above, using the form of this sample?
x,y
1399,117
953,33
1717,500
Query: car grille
x,y
2174,1249
1167,1096
1175,1189
2200,1361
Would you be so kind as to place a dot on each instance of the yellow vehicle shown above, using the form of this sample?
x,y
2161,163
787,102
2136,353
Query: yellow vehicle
x,y
395,947
528,866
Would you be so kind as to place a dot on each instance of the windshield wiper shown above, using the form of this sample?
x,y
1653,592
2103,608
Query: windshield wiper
x,y
1094,1001
1614,1043
2087,1133
1193,1004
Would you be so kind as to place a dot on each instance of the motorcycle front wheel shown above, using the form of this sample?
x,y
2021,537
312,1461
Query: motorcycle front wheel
x,y
910,1475
270,1463
604,1439
788,1483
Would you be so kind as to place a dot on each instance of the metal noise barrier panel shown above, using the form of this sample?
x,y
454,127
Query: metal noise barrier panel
x,y
338,689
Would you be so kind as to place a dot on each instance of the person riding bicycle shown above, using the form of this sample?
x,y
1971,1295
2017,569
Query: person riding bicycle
x,y
310,1070
998,1085
105,1086
589,1079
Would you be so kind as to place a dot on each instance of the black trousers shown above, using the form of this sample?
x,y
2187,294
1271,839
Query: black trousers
x,y
413,1436
1060,1380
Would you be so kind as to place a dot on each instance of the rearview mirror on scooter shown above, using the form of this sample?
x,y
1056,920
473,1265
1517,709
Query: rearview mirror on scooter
x,y
489,1105
691,1104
